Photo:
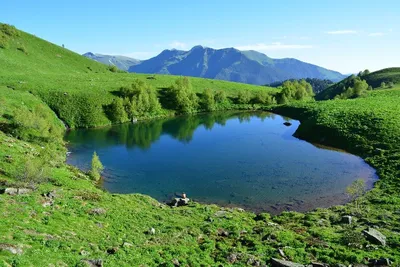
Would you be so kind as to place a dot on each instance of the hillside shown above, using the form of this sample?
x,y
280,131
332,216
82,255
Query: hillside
x,y
389,76
121,62
77,88
318,85
231,65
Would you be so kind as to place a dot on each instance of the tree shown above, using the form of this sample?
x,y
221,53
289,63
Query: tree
x,y
117,111
243,97
207,99
220,96
355,190
182,96
97,167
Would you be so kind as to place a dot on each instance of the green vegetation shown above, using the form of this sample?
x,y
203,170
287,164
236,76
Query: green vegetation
x,y
318,85
97,167
63,219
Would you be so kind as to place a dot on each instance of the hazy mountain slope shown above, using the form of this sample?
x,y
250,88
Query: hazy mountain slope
x,y
232,65
122,62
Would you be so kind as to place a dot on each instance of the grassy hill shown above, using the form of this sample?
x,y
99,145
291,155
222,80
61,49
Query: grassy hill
x,y
76,87
374,80
64,219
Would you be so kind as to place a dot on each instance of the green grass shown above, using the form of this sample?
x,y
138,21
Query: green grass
x,y
67,231
78,88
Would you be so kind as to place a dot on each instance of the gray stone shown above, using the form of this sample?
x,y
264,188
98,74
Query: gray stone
x,y
127,245
374,236
11,248
152,231
222,232
380,262
97,211
175,262
232,258
93,263
283,263
11,191
319,264
347,219
23,191
178,202
220,213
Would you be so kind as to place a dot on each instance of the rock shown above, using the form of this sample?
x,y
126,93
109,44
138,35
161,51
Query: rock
x,y
318,264
112,250
240,209
380,262
11,248
175,262
50,195
347,219
47,203
220,213
152,231
178,202
222,232
127,245
93,263
338,265
281,253
283,263
17,191
84,253
232,258
97,211
286,123
374,236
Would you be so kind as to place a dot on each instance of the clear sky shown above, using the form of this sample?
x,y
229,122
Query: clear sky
x,y
342,35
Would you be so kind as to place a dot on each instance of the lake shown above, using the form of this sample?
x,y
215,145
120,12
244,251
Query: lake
x,y
243,159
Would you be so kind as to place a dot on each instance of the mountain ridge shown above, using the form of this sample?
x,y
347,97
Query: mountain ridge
x,y
231,64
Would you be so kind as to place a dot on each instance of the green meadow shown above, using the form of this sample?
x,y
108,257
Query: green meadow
x,y
64,218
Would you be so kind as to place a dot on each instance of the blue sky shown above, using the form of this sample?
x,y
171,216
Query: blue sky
x,y
342,35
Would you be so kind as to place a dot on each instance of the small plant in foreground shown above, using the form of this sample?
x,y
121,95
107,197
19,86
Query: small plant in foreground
x,y
355,190
97,167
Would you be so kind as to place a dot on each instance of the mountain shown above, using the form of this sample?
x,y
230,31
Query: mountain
x,y
232,65
122,62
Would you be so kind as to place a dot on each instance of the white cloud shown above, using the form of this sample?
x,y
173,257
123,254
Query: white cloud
x,y
342,32
178,45
273,46
376,34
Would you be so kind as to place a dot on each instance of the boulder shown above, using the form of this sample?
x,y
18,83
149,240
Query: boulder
x,y
16,191
178,202
232,258
11,248
374,236
380,262
319,264
93,263
152,231
223,232
97,211
347,219
283,263
175,262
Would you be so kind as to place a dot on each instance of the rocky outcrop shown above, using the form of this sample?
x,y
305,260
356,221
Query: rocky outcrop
x,y
347,219
16,191
283,263
93,263
11,248
180,201
374,236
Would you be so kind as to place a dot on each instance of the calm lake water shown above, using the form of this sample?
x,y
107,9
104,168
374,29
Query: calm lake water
x,y
249,160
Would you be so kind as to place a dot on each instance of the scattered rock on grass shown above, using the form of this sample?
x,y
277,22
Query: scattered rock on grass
x,y
16,191
222,232
151,231
11,248
93,263
375,236
283,263
176,263
347,219
178,202
232,258
97,211
380,262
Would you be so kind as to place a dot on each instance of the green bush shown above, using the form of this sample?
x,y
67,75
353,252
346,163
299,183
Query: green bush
x,y
97,167
113,68
182,96
116,111
208,100
243,97
220,97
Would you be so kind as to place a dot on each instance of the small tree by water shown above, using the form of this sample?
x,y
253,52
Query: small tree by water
x,y
97,167
355,190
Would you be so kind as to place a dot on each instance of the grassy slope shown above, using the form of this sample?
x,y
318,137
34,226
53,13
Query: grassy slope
x,y
65,232
82,85
373,79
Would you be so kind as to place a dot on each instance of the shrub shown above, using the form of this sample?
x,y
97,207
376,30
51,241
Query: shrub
x,y
34,171
117,111
208,100
220,97
243,97
97,167
22,49
9,30
113,68
182,96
